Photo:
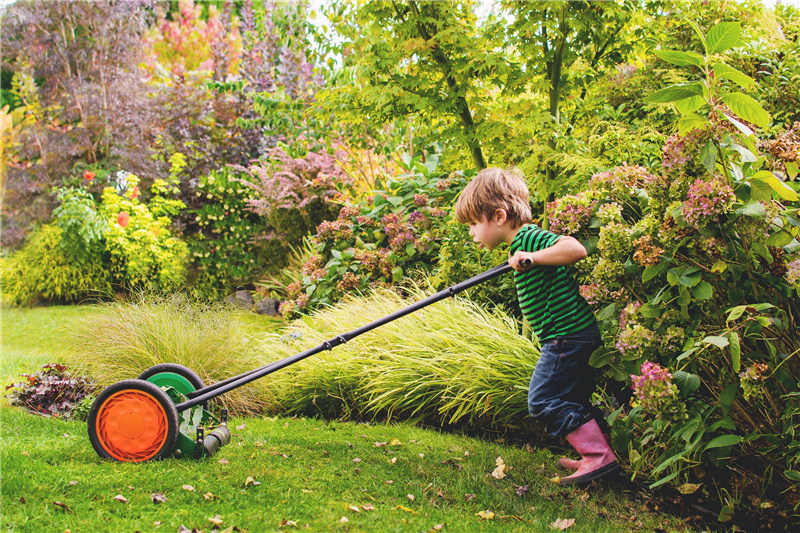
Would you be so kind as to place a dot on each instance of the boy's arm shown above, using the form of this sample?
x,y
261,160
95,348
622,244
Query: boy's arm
x,y
566,251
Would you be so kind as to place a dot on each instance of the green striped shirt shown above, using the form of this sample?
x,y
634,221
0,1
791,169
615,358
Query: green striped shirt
x,y
548,295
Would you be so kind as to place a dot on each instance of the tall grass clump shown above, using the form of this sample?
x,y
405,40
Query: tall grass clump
x,y
120,340
451,363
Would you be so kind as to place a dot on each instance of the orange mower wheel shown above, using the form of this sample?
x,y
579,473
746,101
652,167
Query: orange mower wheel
x,y
133,421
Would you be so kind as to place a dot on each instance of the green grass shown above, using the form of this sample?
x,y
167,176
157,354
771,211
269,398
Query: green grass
x,y
306,469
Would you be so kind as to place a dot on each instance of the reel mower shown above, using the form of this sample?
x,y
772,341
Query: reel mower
x,y
164,412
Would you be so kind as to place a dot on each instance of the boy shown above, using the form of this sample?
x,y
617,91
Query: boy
x,y
496,207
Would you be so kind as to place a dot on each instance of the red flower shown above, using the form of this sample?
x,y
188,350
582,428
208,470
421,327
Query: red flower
x,y
134,193
89,175
123,218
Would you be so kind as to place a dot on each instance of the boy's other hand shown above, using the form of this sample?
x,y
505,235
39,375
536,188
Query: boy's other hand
x,y
521,261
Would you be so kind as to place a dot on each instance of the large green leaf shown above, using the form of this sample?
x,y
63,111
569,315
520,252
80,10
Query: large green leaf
x,y
722,36
729,73
688,106
783,190
723,440
736,351
682,59
674,93
691,121
747,108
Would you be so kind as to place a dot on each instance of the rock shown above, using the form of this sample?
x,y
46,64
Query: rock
x,y
268,306
241,299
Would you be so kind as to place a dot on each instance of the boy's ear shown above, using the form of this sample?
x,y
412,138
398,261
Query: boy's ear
x,y
500,216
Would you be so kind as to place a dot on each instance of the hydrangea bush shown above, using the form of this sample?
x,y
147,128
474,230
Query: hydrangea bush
x,y
391,234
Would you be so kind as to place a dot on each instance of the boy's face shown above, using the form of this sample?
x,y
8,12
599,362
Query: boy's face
x,y
488,233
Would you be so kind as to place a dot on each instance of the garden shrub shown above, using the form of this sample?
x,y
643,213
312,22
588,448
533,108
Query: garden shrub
x,y
52,391
694,277
391,234
44,271
229,249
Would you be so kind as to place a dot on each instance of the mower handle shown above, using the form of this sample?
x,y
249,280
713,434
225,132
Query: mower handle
x,y
217,389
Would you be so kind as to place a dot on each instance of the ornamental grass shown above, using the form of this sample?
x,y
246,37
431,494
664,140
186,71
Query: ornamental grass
x,y
451,363
121,340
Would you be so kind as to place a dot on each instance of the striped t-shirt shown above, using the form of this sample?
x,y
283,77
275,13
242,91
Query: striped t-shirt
x,y
548,295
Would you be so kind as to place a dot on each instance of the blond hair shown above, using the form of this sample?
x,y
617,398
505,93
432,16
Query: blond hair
x,y
493,189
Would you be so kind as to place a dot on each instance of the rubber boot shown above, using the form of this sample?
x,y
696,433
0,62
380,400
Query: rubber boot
x,y
565,463
597,459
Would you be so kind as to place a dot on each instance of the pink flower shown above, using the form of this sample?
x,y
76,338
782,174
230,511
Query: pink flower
x,y
123,219
89,175
134,193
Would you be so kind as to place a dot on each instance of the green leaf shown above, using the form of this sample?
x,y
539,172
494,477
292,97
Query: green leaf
x,y
703,291
781,238
686,382
606,312
723,440
745,107
794,475
791,168
699,33
783,190
719,266
727,396
708,156
752,209
675,92
688,106
720,342
736,351
395,200
722,36
691,121
601,357
650,311
397,274
681,59
654,270
729,73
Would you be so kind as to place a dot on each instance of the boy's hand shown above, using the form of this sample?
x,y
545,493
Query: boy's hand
x,y
521,261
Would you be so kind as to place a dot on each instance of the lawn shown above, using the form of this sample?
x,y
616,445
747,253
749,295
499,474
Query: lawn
x,y
282,474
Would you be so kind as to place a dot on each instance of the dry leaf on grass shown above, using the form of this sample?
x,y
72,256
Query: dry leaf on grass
x,y
62,506
406,509
486,515
290,523
563,523
689,488
437,527
188,487
469,497
500,471
216,520
354,508
73,482
120,498
251,481
410,497
158,497
209,496
223,461
368,507
394,442
344,520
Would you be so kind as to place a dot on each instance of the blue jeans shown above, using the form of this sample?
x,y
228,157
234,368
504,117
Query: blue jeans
x,y
562,383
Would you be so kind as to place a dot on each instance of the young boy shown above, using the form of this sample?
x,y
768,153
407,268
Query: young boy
x,y
496,207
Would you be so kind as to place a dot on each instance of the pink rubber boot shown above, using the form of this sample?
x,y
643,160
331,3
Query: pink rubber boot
x,y
597,459
573,464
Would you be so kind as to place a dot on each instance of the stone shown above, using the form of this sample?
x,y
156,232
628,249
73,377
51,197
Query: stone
x,y
241,299
268,306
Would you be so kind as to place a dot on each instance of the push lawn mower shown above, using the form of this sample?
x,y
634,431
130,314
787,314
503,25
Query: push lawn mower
x,y
164,411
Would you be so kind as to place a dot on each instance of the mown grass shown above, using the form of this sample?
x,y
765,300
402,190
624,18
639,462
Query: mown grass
x,y
310,472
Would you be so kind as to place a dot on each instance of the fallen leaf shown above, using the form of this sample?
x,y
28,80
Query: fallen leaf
x,y
356,460
158,497
394,442
258,444
406,509
156,523
380,444
556,479
251,481
130,487
522,489
286,425
500,471
563,523
223,461
209,496
368,507
22,500
486,515
64,506
184,529
389,481
421,455
689,488
437,527
73,482
120,498
305,491
394,460
242,426
344,520
290,523
530,448
410,497
188,487
469,497
354,508
216,520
